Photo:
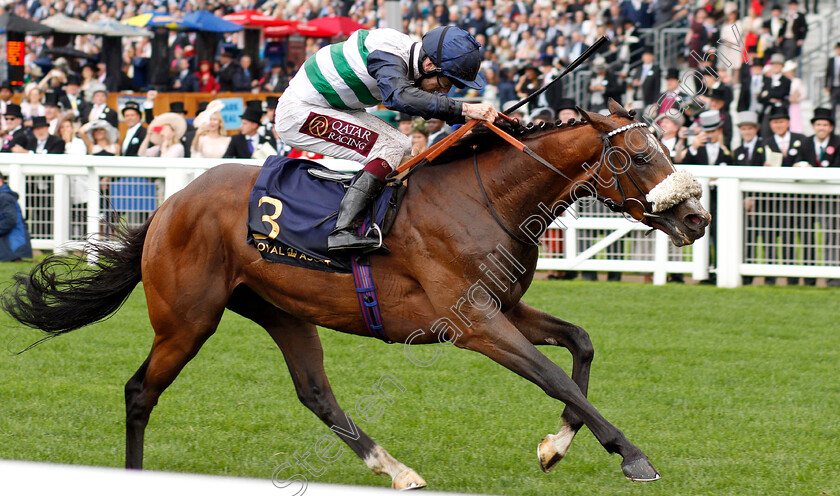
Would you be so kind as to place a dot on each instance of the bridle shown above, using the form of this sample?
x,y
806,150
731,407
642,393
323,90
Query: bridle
x,y
607,155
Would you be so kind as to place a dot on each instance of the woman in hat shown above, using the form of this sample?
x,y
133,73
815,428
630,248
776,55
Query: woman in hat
x,y
165,132
528,82
419,136
73,145
31,105
101,138
206,80
798,93
211,140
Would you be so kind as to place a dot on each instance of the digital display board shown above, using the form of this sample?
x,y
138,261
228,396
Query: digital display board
x,y
15,54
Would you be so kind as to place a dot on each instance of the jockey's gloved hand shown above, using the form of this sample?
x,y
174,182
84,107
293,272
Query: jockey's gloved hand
x,y
482,111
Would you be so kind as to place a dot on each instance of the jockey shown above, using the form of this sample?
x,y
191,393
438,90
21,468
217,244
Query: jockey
x,y
323,109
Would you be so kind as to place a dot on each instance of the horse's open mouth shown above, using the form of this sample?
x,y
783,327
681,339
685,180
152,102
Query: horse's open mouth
x,y
685,222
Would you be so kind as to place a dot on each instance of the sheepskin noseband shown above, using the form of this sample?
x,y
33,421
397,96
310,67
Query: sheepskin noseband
x,y
674,189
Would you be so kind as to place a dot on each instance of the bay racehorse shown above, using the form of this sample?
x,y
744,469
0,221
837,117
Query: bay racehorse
x,y
459,224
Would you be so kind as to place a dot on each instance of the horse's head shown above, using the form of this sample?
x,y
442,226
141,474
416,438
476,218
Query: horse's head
x,y
635,174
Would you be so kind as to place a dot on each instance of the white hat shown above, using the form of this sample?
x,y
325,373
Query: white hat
x,y
111,131
178,124
710,120
747,118
543,113
789,66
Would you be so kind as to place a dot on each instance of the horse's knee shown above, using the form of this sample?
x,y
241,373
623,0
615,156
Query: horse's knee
x,y
583,345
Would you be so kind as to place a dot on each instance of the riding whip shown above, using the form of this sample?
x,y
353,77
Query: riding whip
x,y
600,42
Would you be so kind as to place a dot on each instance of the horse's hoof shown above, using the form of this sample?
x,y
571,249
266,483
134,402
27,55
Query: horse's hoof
x,y
548,454
640,470
408,479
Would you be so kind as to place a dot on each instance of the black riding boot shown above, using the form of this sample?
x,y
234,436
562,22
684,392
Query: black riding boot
x,y
359,195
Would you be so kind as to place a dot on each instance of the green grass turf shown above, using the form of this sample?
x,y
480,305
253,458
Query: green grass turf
x,y
727,391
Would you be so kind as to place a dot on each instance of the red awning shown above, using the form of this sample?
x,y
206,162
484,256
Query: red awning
x,y
301,28
339,24
254,18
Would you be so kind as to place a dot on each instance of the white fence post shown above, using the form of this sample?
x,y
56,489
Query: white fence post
x,y
700,248
730,220
660,257
93,203
61,211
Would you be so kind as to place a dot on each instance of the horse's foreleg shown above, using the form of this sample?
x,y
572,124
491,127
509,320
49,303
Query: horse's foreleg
x,y
500,341
540,328
301,347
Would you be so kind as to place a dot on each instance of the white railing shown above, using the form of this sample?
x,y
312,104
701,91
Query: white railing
x,y
792,228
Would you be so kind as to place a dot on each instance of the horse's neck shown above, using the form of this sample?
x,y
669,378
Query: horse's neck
x,y
520,187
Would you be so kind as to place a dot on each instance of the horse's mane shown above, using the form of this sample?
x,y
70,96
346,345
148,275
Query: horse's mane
x,y
482,139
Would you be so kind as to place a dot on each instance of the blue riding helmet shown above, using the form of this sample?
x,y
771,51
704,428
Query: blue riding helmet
x,y
456,54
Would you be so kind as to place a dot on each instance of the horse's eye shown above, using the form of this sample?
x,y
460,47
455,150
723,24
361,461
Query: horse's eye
x,y
639,160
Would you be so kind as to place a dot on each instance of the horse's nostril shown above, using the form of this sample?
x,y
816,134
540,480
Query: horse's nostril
x,y
695,220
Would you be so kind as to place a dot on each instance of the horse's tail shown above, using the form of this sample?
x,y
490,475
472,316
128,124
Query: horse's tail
x,y
64,293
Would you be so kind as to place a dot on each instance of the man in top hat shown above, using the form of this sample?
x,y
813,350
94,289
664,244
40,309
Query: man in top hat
x,y
791,146
832,79
673,134
603,86
646,79
751,151
244,144
717,101
231,75
775,25
823,148
52,112
775,92
13,133
567,110
71,99
5,99
186,140
781,140
708,148
752,85
404,122
98,109
40,141
540,115
673,97
136,132
795,30
776,86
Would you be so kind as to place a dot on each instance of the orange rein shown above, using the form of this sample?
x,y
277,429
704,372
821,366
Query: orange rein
x,y
435,150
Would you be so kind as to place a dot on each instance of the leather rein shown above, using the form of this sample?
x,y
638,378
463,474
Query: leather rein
x,y
606,156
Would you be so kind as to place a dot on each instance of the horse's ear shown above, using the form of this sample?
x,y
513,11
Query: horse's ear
x,y
598,121
617,109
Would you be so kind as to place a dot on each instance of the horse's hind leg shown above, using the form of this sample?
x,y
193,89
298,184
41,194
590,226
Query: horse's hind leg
x,y
541,328
304,356
180,331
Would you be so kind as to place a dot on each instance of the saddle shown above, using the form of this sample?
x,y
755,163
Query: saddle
x,y
292,209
